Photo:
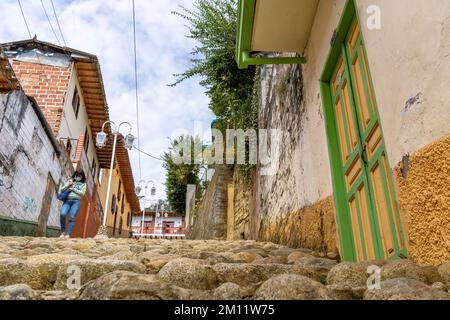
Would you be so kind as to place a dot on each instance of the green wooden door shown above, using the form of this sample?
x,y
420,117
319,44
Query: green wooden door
x,y
371,205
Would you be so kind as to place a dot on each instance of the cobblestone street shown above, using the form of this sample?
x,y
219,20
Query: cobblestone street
x,y
60,269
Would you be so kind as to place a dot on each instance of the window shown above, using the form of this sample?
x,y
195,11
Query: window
x,y
113,203
100,176
119,192
76,103
86,141
93,169
128,219
120,226
123,204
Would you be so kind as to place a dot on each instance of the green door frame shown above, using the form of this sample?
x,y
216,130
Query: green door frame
x,y
345,232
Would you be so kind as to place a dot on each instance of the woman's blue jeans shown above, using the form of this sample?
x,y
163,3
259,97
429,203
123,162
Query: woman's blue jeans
x,y
72,206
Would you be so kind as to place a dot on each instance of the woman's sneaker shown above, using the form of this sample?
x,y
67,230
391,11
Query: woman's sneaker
x,y
62,236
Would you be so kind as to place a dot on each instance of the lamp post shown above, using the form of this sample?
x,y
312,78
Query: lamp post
x,y
138,192
101,141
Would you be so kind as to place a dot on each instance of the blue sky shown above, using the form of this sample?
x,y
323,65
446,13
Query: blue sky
x,y
104,28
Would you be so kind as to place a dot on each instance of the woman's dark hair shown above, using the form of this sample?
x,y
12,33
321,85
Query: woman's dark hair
x,y
81,173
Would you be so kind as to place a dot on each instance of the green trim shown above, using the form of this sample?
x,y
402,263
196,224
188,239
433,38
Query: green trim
x,y
345,232
340,194
244,34
10,227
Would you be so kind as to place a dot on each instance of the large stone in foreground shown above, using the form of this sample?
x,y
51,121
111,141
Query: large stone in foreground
x,y
92,269
444,272
405,289
292,287
249,274
154,263
39,272
189,273
124,285
17,292
403,269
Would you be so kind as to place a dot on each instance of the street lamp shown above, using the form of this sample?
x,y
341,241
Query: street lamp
x,y
138,192
102,138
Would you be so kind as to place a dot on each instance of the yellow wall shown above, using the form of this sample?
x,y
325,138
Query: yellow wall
x,y
116,179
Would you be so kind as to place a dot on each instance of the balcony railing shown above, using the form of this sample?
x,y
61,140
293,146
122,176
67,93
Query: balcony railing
x,y
151,231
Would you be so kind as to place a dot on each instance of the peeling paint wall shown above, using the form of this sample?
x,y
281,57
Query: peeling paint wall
x,y
27,158
423,190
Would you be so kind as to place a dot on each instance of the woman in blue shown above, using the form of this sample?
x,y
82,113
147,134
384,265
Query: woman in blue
x,y
76,189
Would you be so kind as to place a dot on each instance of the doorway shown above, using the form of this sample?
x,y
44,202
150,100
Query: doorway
x,y
367,212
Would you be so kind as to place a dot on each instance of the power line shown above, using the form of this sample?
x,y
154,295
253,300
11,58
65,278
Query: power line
x,y
50,23
24,19
137,94
147,154
59,26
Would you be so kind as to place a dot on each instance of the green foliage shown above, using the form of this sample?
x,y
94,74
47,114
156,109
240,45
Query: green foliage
x,y
213,24
178,176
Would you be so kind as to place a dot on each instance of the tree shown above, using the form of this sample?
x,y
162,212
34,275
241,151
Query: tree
x,y
178,176
213,24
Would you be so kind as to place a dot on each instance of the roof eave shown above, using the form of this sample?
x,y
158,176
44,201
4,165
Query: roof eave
x,y
244,34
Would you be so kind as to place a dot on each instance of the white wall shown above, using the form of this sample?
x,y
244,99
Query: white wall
x,y
73,127
27,157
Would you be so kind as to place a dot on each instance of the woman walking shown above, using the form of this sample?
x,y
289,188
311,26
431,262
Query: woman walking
x,y
71,194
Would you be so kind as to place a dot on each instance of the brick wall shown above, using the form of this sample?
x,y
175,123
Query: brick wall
x,y
48,85
29,166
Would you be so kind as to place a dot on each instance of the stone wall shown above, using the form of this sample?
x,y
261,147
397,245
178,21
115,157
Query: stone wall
x,y
244,205
294,209
31,167
210,221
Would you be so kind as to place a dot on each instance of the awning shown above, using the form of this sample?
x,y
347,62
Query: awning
x,y
273,26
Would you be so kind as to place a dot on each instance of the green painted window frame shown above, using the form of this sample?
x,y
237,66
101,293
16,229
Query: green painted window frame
x,y
244,35
345,232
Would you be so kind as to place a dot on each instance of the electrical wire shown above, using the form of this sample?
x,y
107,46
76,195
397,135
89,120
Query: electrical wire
x,y
137,89
25,19
57,22
50,23
147,154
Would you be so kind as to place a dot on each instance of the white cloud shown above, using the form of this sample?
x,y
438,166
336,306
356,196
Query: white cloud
x,y
104,28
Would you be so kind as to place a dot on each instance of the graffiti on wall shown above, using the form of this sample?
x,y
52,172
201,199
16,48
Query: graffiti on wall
x,y
29,205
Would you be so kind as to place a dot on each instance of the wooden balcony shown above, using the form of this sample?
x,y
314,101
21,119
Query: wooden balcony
x,y
161,232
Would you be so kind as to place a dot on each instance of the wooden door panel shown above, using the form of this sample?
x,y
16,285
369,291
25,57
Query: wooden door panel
x,y
371,204
361,223
352,163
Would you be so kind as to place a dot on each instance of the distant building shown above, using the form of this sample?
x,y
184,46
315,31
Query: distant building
x,y
159,222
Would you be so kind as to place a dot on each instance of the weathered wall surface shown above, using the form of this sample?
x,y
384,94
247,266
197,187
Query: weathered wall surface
x,y
244,205
28,164
210,221
423,190
410,66
409,59
296,207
